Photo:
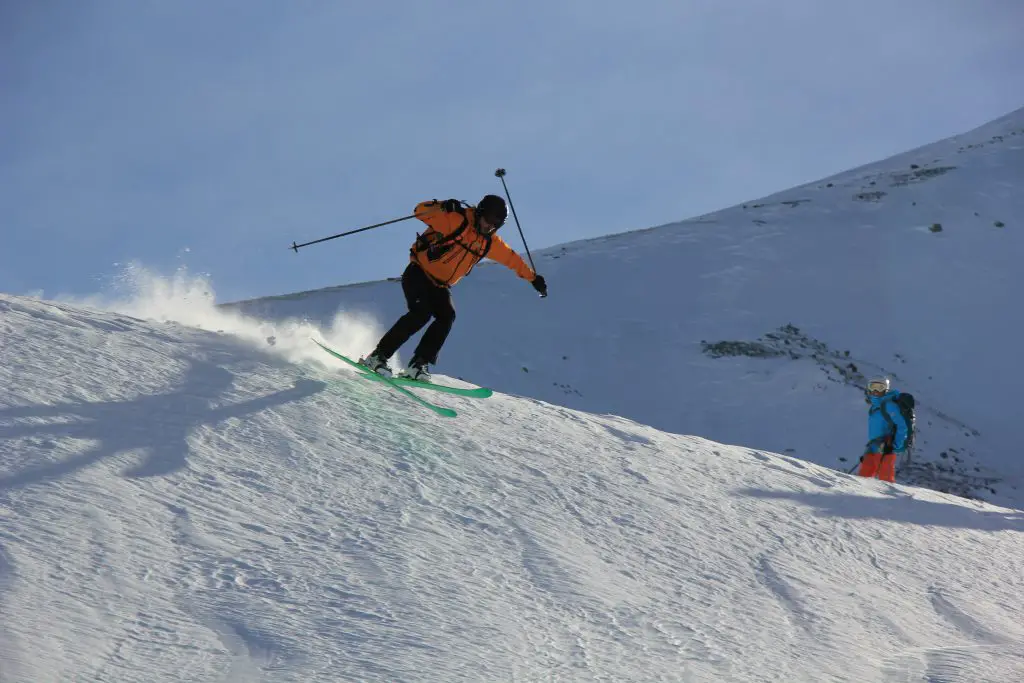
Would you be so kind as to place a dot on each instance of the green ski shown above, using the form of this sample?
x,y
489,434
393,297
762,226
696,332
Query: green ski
x,y
366,373
475,392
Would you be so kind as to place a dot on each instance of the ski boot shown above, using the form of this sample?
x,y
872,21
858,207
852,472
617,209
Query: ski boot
x,y
418,370
376,364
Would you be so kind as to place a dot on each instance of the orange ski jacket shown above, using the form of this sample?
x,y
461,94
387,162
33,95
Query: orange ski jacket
x,y
451,245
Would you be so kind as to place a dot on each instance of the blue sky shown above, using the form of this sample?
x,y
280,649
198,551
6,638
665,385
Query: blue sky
x,y
210,135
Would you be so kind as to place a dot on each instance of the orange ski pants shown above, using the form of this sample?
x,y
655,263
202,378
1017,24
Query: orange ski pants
x,y
881,464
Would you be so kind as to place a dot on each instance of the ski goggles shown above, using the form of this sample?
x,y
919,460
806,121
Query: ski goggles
x,y
877,388
495,218
494,222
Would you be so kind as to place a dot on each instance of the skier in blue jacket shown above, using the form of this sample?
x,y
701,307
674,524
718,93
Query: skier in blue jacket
x,y
887,432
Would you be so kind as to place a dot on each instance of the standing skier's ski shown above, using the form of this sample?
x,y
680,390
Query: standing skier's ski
x,y
369,374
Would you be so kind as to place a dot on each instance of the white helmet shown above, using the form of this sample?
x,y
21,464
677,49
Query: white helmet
x,y
878,386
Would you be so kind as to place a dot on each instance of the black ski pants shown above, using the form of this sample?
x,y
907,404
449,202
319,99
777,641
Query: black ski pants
x,y
425,300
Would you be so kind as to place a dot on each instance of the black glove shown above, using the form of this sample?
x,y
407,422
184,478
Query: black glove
x,y
539,284
451,205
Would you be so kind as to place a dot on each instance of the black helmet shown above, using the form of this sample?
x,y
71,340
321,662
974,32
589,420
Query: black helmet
x,y
493,208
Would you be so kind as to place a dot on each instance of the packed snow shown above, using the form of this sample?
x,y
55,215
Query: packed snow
x,y
197,492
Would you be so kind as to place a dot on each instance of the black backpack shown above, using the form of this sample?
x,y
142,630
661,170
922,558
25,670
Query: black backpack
x,y
905,402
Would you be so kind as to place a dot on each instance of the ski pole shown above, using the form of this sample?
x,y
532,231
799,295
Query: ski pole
x,y
500,173
867,449
296,247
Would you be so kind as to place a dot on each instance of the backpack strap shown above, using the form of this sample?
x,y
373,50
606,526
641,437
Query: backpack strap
x,y
441,246
885,414
423,243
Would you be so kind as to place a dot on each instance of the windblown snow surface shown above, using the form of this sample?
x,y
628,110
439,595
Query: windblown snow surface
x,y
190,493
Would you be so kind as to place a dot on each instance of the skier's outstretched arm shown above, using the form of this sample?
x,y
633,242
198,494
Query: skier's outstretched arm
x,y
503,254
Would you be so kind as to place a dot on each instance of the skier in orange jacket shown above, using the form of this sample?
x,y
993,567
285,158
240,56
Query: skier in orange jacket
x,y
457,237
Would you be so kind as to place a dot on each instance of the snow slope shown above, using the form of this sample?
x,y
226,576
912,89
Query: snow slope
x,y
757,325
180,504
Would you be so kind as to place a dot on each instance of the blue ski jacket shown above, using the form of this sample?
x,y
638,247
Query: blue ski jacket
x,y
879,428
